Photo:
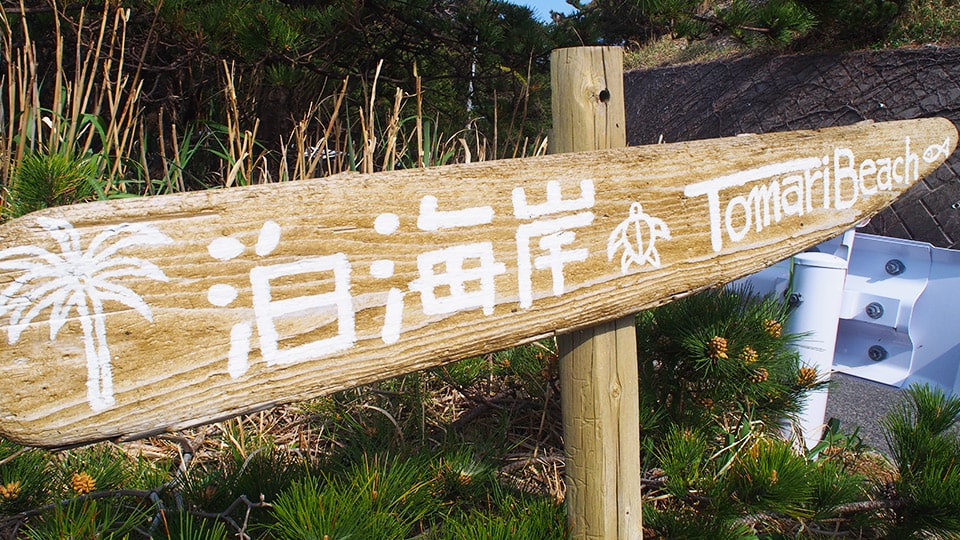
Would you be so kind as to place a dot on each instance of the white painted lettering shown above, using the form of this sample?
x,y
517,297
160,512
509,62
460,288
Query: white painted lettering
x,y
555,257
555,202
387,224
238,359
393,319
762,196
225,248
268,239
738,235
712,188
867,168
554,234
897,177
455,276
267,310
841,173
431,219
883,171
794,188
911,159
810,178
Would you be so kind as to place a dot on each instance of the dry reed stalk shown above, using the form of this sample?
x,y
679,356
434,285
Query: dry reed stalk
x,y
308,156
283,173
416,76
393,130
496,123
368,126
321,151
125,119
240,144
234,151
148,186
6,136
365,166
177,181
21,71
526,104
172,178
300,138
75,101
20,81
163,149
325,141
82,87
99,84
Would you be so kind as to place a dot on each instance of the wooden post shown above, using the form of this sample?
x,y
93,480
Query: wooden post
x,y
598,365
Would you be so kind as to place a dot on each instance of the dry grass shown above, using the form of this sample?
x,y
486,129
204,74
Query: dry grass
x,y
667,51
494,414
61,119
928,22
91,110
479,428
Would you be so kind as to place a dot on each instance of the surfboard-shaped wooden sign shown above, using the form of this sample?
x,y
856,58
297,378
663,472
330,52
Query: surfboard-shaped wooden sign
x,y
121,319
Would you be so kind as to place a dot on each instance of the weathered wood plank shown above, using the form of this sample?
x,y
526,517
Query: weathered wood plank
x,y
126,318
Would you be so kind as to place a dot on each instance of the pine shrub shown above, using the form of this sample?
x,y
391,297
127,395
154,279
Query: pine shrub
x,y
24,478
709,360
719,383
48,180
921,433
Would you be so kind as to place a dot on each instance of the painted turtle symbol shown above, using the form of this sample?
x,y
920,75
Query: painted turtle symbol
x,y
637,236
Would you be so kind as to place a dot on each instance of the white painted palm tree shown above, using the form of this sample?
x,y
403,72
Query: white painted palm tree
x,y
80,280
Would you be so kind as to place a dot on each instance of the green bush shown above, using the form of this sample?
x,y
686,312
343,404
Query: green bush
x,y
716,463
720,381
925,449
714,446
48,180
24,478
711,360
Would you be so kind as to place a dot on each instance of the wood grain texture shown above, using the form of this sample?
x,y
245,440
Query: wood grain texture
x,y
599,383
131,317
600,402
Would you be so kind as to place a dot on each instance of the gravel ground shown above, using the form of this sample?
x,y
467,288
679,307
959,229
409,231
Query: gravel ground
x,y
861,403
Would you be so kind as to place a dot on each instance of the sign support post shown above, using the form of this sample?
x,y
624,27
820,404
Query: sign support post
x,y
598,365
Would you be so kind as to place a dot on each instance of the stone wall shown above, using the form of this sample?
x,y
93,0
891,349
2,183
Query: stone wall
x,y
780,93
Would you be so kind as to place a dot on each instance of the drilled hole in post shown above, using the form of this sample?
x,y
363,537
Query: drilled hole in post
x,y
604,95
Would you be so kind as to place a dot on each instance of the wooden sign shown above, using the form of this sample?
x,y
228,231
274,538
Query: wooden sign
x,y
126,318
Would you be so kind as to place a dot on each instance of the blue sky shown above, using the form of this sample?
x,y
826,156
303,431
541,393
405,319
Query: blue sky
x,y
542,8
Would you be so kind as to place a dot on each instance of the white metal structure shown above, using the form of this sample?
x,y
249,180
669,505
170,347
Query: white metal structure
x,y
878,308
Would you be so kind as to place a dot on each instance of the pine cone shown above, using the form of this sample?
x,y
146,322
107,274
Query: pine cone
x,y
717,348
806,376
760,375
774,328
10,491
83,483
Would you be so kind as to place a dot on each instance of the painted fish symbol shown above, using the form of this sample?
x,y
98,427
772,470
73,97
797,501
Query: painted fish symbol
x,y
629,236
